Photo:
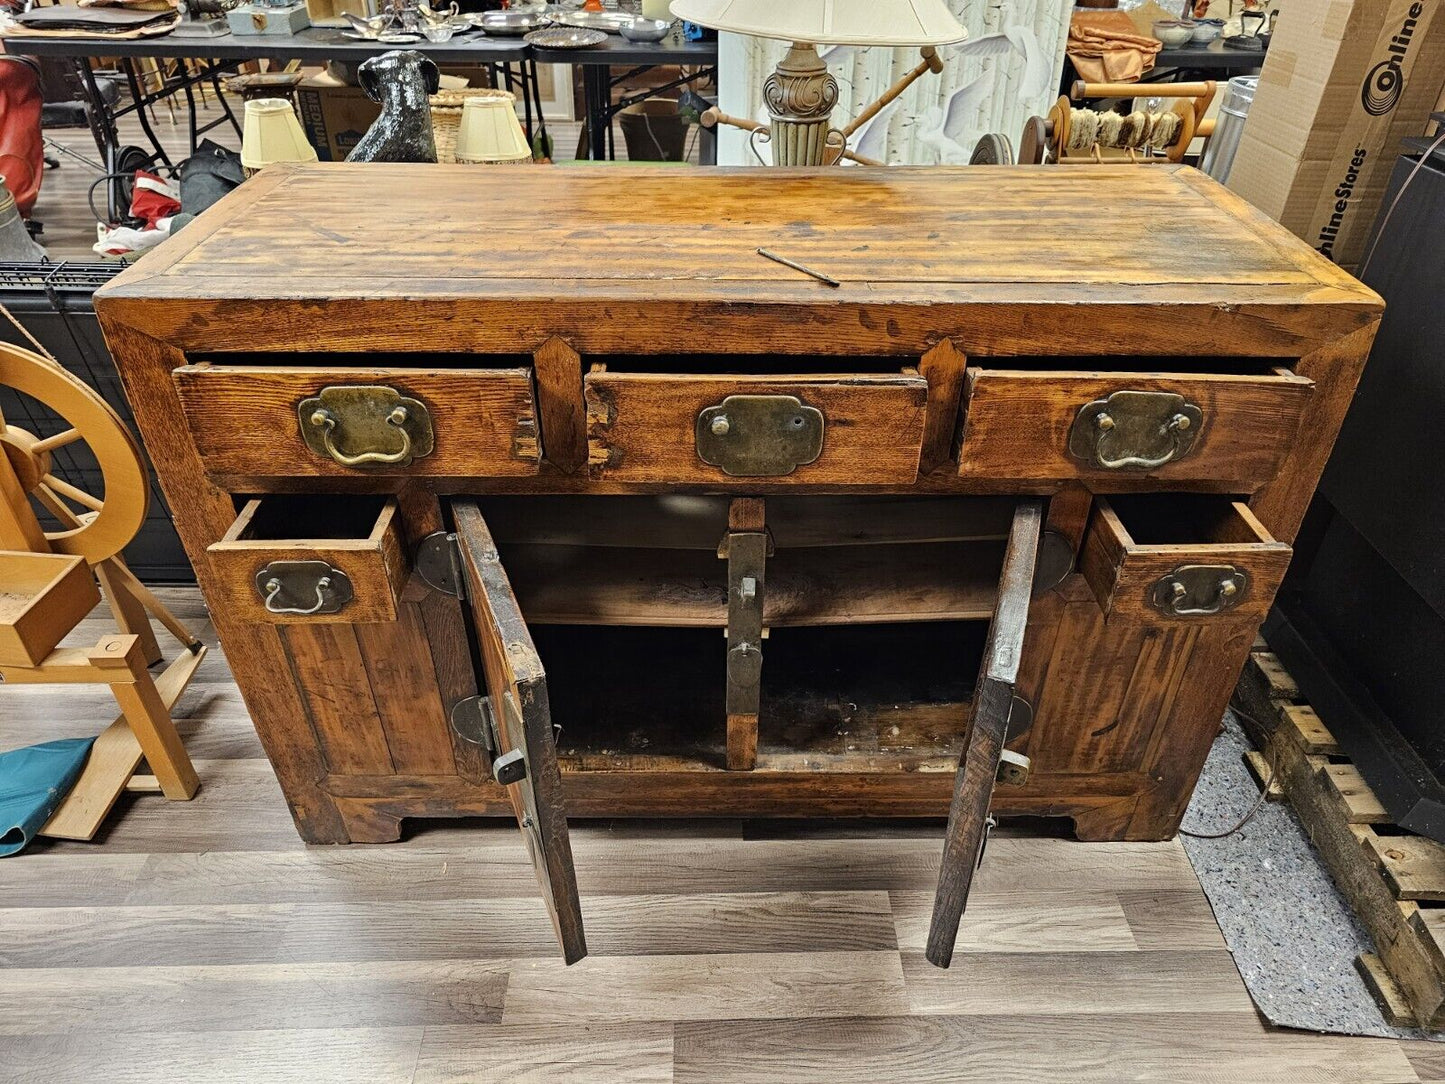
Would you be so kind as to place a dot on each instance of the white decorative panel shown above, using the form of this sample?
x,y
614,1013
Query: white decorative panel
x,y
1007,71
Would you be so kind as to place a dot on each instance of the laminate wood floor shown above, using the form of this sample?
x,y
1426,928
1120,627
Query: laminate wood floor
x,y
203,941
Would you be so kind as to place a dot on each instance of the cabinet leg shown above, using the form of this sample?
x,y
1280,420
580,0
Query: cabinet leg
x,y
1108,823
364,823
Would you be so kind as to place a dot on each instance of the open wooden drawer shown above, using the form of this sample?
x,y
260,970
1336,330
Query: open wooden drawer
x,y
313,559
596,679
1181,557
262,421
824,428
1225,432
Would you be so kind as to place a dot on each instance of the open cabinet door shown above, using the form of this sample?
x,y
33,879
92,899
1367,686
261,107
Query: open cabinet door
x,y
987,728
524,754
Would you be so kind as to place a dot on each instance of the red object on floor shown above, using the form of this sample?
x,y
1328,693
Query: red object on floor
x,y
22,156
154,198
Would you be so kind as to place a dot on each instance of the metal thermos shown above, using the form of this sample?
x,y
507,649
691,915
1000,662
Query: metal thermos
x,y
1229,126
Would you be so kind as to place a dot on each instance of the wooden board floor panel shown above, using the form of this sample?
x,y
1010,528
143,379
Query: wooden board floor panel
x,y
1211,1048
203,942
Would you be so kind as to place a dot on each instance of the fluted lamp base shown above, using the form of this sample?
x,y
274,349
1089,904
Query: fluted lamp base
x,y
800,95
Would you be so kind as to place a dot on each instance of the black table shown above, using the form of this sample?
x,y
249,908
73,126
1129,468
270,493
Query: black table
x,y
509,58
598,82
1212,61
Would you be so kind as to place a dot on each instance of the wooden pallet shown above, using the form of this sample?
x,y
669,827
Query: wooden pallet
x,y
1394,881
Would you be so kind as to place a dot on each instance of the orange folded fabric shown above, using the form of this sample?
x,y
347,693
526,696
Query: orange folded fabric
x,y
1106,48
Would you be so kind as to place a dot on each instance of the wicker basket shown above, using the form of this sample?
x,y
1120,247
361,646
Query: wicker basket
x,y
446,116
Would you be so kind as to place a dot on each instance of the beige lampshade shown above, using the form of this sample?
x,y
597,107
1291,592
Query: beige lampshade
x,y
490,132
271,133
830,22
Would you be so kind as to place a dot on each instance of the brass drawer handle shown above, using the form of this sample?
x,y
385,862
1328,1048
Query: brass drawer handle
x,y
288,587
372,417
326,421
273,592
1135,430
1199,590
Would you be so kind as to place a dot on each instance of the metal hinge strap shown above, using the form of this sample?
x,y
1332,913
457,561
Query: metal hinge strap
x,y
439,563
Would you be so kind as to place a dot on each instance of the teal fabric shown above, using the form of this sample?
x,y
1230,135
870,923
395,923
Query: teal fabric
x,y
33,782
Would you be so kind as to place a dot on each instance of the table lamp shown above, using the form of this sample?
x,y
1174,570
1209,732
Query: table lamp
x,y
271,133
490,133
800,94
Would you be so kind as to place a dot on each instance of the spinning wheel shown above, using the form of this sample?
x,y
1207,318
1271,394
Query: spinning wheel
x,y
106,522
992,149
92,528
1070,133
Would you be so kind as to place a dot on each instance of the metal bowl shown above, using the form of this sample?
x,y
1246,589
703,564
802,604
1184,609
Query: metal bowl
x,y
645,29
610,22
510,23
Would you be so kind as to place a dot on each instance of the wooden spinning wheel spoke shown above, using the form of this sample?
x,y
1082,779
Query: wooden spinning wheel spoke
x,y
57,440
61,487
52,503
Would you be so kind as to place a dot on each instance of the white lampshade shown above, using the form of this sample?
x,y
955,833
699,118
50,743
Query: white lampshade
x,y
490,132
272,133
830,22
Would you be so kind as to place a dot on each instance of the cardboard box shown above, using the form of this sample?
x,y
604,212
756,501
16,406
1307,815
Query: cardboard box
x,y
1343,83
334,117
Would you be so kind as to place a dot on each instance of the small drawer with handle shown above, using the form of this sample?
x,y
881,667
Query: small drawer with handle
x,y
313,559
830,429
1212,431
263,421
1181,557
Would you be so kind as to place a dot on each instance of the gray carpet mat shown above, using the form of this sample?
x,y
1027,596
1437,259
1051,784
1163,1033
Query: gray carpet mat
x,y
1293,937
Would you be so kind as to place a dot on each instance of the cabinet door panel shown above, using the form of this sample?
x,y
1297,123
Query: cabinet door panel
x,y
987,728
516,688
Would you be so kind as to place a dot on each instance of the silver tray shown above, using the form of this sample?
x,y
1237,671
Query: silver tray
x,y
610,22
509,23
565,37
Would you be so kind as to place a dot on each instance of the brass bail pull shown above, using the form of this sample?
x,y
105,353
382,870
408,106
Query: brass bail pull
x,y
1170,431
273,592
326,421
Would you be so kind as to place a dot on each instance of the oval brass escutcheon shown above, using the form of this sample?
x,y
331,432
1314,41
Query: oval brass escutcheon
x,y
1135,430
759,436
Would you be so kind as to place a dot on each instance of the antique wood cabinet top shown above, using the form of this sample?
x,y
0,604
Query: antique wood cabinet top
x,y
1000,259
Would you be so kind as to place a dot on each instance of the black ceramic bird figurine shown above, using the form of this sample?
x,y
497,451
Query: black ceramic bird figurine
x,y
400,80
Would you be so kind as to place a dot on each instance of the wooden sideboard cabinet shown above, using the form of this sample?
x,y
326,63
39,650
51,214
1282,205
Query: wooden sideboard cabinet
x,y
539,493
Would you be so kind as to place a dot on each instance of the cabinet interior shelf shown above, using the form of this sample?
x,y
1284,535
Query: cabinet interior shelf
x,y
834,585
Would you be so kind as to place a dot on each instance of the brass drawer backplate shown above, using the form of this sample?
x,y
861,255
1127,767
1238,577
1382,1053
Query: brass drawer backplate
x,y
759,436
1199,590
1135,430
303,588
366,425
